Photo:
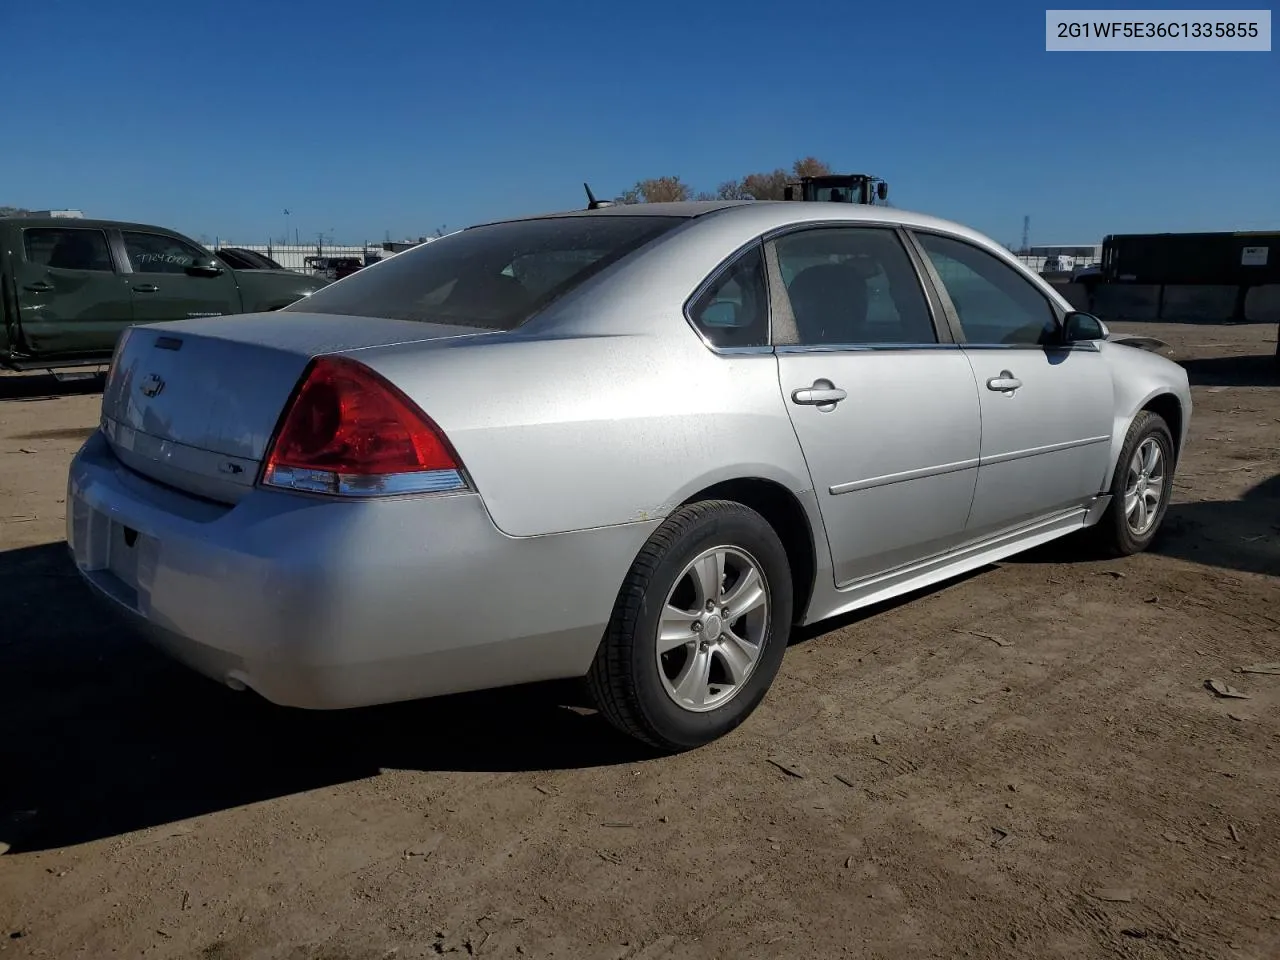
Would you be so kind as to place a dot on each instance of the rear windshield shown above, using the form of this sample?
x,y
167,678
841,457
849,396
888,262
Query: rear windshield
x,y
495,276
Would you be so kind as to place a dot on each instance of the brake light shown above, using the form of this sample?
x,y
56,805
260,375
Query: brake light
x,y
350,432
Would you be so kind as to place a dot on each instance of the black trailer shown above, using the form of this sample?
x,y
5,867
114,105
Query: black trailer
x,y
1228,259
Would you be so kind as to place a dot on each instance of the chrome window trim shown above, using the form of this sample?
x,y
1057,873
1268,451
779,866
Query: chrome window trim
x,y
1083,346
862,347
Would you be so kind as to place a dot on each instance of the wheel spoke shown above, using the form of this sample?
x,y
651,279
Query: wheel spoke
x,y
1144,486
708,576
676,628
699,617
1131,504
747,594
691,685
739,656
1135,466
1151,457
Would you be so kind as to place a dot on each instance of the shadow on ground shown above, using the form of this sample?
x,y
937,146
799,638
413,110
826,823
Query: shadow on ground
x,y
1234,371
29,387
100,735
1241,535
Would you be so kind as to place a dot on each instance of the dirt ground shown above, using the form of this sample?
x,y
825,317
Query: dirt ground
x,y
1024,763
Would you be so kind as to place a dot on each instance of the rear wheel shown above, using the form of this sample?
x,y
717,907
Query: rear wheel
x,y
1141,487
699,628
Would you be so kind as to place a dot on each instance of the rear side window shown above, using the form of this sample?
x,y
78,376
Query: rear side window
x,y
67,249
734,310
851,286
495,276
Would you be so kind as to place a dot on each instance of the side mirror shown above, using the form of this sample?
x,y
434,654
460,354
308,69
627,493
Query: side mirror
x,y
1081,327
204,268
882,190
722,313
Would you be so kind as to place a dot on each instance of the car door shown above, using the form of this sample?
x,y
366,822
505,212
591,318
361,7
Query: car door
x,y
884,405
71,297
1047,407
163,289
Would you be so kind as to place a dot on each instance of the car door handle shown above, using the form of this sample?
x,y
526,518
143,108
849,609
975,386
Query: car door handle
x,y
1005,383
818,396
146,288
39,287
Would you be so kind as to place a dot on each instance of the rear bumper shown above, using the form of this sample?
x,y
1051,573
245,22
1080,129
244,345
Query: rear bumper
x,y
322,604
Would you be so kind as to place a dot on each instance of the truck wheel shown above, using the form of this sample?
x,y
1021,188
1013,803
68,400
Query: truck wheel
x,y
698,630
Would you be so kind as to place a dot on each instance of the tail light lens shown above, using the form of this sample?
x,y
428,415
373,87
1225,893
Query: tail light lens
x,y
349,432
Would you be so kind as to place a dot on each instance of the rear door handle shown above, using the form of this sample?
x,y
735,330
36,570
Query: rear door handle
x,y
817,396
39,287
146,288
1005,383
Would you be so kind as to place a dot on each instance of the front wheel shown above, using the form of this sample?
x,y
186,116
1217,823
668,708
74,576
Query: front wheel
x,y
699,628
1141,487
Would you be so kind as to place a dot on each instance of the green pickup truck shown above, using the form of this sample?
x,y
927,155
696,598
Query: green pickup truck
x,y
68,287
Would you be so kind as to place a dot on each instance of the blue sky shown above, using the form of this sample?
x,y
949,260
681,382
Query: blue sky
x,y
405,115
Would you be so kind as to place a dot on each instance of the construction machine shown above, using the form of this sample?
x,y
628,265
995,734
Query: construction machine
x,y
838,187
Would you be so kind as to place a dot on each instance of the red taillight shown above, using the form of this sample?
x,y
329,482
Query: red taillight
x,y
350,432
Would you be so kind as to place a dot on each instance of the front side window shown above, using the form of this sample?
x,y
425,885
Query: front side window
x,y
67,248
995,303
734,310
852,286
495,276
155,253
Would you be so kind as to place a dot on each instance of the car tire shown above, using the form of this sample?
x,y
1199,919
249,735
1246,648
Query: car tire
x,y
1117,533
687,697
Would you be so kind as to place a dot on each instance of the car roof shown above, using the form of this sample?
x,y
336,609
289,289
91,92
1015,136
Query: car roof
x,y
82,222
760,216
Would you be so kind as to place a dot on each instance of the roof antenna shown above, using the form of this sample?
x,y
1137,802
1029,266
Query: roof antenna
x,y
592,202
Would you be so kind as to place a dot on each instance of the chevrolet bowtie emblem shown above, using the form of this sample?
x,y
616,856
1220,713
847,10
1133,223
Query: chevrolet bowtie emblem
x,y
152,385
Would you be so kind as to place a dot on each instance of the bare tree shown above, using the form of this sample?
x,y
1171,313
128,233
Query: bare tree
x,y
657,190
765,186
14,212
770,185
810,167
732,190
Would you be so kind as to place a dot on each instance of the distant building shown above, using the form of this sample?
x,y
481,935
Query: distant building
x,y
1080,251
68,214
1060,257
301,257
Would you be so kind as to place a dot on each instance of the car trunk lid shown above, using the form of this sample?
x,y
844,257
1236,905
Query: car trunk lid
x,y
193,404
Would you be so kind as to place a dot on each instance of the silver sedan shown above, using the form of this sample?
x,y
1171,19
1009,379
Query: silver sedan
x,y
636,444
